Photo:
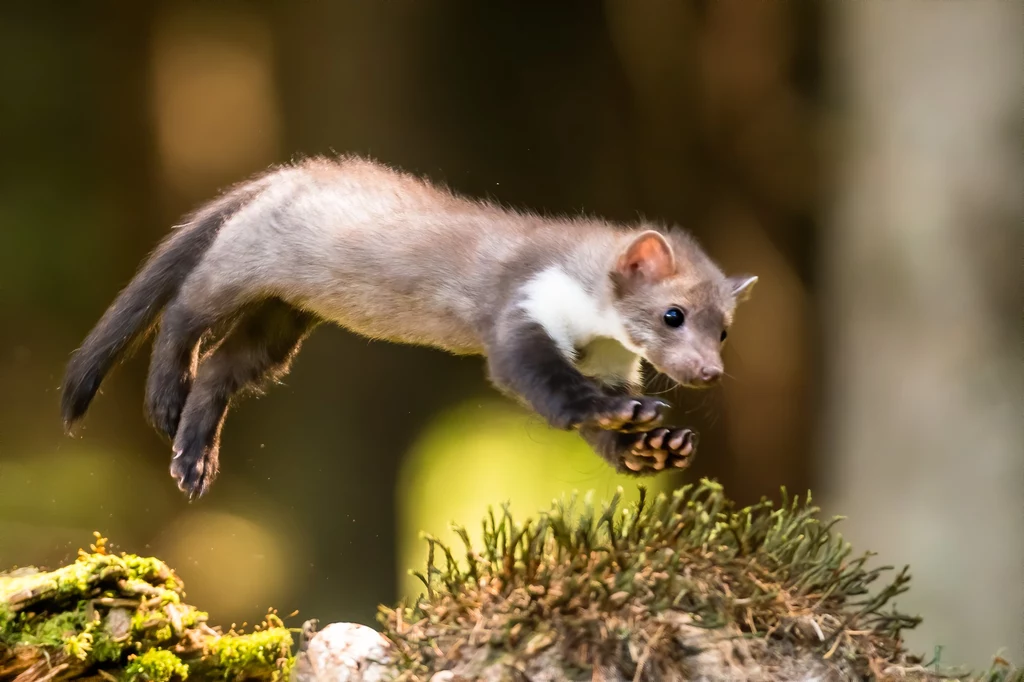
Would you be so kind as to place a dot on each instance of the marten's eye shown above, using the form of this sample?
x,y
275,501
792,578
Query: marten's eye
x,y
674,317
724,335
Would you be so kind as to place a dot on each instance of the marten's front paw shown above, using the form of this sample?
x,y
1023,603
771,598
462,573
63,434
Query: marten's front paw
x,y
660,449
619,413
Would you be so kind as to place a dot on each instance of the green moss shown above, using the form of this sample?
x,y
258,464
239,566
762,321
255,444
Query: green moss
x,y
51,631
234,656
70,630
101,607
156,665
157,624
77,580
105,649
7,617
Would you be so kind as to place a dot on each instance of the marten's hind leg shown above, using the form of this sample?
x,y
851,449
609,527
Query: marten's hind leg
x,y
172,367
259,348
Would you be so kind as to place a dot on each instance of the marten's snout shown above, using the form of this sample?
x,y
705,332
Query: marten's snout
x,y
696,374
710,374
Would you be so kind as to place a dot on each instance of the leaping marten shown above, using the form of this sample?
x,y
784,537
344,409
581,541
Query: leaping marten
x,y
563,309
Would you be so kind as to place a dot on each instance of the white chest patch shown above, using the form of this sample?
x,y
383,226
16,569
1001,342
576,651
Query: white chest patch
x,y
575,320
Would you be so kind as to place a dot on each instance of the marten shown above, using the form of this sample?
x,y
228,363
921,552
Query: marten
x,y
563,309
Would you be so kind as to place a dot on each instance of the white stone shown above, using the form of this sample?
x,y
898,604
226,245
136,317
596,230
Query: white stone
x,y
348,652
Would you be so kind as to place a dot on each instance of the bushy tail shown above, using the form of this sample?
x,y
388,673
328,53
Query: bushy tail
x,y
130,317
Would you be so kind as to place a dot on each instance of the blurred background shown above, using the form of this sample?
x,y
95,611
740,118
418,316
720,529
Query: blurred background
x,y
863,158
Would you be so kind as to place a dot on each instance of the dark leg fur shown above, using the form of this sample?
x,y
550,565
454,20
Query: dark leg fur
x,y
259,348
173,365
528,365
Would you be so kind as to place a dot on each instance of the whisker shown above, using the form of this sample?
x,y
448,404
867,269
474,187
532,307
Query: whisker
x,y
666,381
662,391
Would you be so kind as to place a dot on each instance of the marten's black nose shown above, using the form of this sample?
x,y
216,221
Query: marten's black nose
x,y
710,374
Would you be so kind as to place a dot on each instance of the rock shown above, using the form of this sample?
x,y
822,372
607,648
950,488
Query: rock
x,y
345,652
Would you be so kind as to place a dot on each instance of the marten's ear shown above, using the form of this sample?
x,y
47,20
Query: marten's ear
x,y
742,286
648,258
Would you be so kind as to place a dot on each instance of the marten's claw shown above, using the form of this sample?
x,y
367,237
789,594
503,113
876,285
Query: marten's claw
x,y
193,470
628,414
660,449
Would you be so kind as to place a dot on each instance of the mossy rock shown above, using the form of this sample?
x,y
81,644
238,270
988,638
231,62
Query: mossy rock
x,y
109,616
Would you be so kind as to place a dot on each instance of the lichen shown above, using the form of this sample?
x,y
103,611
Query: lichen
x,y
156,665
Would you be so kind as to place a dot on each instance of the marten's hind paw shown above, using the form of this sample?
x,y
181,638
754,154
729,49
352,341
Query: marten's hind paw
x,y
194,468
660,449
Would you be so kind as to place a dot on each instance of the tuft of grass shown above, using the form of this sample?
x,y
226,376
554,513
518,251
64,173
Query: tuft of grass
x,y
602,585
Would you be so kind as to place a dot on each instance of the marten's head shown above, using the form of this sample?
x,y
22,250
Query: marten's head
x,y
675,305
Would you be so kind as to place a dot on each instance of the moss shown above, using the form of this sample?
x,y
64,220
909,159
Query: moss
x,y
235,656
7,617
94,612
597,583
105,649
51,631
128,573
155,665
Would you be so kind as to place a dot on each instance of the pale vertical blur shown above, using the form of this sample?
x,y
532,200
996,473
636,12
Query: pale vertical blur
x,y
923,448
